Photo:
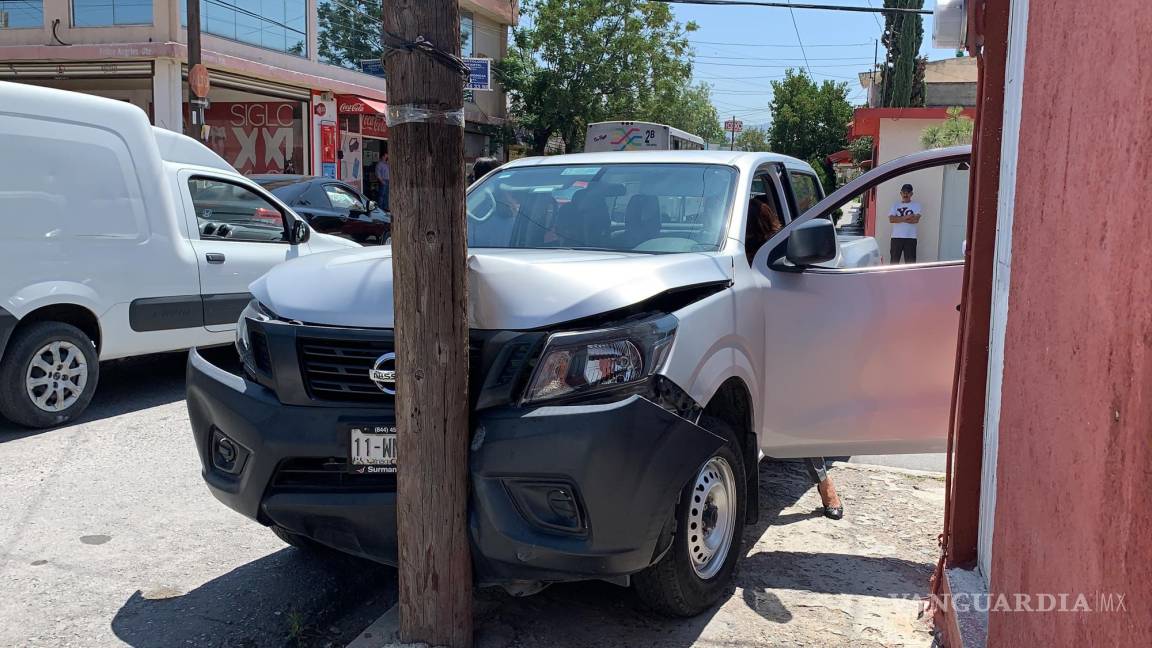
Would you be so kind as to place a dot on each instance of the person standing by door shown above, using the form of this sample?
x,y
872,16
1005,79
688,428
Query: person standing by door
x,y
384,175
904,216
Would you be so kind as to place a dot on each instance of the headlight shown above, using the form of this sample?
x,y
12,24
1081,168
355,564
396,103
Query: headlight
x,y
253,311
587,362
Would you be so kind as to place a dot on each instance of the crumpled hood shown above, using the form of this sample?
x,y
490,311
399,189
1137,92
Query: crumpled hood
x,y
507,289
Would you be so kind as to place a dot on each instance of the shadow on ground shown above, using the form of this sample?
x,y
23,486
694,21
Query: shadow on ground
x,y
291,598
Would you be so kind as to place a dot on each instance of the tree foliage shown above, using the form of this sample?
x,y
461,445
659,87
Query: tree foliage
x,y
861,148
809,121
956,130
346,34
903,71
753,139
575,62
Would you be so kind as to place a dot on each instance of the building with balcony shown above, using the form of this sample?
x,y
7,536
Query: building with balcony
x,y
296,85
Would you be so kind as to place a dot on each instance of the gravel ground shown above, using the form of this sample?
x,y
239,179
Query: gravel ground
x,y
108,537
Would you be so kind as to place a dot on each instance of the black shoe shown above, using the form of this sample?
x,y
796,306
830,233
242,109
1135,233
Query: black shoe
x,y
834,512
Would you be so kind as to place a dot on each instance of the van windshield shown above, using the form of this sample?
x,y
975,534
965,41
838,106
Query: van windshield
x,y
648,208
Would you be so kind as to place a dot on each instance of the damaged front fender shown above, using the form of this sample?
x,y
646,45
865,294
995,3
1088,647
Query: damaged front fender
x,y
581,491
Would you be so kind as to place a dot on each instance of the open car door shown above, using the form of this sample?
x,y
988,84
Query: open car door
x,y
863,358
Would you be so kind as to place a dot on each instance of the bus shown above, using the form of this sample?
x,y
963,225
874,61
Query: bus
x,y
638,136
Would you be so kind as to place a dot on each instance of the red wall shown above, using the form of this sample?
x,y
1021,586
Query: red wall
x,y
1074,494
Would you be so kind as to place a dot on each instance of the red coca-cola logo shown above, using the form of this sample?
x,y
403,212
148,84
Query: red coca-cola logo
x,y
351,107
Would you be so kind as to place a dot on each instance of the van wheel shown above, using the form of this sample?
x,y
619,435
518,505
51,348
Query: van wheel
x,y
698,569
48,376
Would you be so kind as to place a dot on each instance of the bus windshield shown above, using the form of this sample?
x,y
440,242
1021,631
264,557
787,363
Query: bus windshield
x,y
646,208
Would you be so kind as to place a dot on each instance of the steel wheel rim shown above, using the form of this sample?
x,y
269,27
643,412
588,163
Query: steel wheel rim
x,y
711,517
56,376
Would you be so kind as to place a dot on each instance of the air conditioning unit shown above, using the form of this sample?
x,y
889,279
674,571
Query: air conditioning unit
x,y
950,24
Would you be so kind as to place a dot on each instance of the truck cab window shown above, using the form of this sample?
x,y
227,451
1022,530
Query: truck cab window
x,y
225,210
764,218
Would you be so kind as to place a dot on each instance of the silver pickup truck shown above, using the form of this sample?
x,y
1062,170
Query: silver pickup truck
x,y
645,327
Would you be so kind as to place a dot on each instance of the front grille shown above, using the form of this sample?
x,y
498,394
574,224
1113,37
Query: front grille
x,y
337,369
327,474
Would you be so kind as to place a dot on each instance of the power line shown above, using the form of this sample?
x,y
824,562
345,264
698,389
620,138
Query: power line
x,y
696,42
784,58
798,39
876,18
781,5
762,65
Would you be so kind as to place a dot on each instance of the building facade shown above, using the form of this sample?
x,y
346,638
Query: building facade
x,y
296,85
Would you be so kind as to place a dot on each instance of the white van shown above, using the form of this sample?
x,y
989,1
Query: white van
x,y
118,239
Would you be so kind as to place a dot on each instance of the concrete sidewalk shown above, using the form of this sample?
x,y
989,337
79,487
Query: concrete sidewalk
x,y
805,580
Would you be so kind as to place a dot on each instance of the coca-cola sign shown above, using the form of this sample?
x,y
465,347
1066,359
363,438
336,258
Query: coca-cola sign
x,y
351,107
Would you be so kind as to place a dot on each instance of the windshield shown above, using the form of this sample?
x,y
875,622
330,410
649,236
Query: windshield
x,y
653,208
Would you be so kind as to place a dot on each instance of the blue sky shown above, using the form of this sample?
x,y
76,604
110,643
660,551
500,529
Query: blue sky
x,y
838,45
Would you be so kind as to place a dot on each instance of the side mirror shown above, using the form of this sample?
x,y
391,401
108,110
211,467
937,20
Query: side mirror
x,y
372,206
300,232
812,243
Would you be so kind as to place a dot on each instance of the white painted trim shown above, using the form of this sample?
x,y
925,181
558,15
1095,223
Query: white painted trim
x,y
1001,275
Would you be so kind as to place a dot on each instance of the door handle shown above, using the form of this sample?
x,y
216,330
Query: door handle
x,y
214,257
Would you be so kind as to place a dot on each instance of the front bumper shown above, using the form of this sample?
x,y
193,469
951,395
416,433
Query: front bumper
x,y
558,493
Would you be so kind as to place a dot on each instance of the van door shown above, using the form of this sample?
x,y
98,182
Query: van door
x,y
239,233
862,359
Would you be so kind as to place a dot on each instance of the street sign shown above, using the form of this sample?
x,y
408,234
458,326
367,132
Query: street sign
x,y
479,73
198,80
373,66
734,126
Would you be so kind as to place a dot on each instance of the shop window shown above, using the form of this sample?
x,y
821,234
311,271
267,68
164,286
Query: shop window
x,y
21,14
104,13
280,25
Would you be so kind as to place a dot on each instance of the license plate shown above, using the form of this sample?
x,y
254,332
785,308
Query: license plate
x,y
373,449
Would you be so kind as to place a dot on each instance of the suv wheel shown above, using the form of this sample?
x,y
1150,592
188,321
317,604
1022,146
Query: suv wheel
x,y
698,569
48,376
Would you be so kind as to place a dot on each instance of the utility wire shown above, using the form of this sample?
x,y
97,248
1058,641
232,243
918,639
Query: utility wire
x,y
781,5
696,42
798,39
782,58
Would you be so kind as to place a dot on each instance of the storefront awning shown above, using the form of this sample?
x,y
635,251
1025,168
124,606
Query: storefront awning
x,y
353,105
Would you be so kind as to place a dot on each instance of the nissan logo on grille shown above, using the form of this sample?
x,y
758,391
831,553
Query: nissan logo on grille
x,y
383,373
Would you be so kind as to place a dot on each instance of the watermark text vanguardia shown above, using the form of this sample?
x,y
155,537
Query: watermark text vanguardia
x,y
1024,602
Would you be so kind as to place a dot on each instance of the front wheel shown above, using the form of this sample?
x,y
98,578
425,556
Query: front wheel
x,y
49,373
698,569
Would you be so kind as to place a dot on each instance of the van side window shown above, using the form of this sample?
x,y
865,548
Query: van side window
x,y
225,210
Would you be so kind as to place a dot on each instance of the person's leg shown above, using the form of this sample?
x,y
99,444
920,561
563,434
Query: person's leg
x,y
833,507
894,250
910,250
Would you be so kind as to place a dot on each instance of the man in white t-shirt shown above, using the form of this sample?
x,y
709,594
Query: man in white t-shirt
x,y
904,216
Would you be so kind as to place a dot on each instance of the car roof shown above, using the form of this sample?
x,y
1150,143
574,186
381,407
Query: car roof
x,y
749,160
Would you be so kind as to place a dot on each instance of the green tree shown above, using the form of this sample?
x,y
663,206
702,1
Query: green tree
x,y
581,61
903,71
753,139
809,121
956,130
861,148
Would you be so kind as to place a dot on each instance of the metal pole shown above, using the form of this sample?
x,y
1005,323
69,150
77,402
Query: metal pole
x,y
875,64
733,124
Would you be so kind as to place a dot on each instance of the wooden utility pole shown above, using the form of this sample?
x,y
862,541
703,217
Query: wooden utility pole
x,y
429,244
195,127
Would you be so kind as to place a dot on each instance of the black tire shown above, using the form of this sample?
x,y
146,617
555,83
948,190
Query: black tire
x,y
15,403
672,586
296,540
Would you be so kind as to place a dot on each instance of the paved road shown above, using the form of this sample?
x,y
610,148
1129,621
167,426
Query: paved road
x,y
108,537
